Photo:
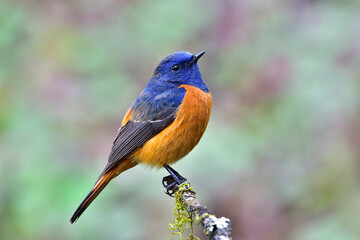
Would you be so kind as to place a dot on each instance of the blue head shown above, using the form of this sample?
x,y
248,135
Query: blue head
x,y
176,69
162,92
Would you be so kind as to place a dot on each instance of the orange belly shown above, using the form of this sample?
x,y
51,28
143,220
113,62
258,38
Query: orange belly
x,y
180,137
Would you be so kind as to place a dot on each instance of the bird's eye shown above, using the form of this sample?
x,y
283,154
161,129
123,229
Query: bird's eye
x,y
175,67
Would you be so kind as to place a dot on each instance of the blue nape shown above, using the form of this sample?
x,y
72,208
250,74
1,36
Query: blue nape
x,y
149,106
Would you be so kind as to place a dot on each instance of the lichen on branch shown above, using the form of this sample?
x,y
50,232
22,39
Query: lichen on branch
x,y
187,208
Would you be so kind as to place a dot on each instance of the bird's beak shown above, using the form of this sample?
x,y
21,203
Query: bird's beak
x,y
196,57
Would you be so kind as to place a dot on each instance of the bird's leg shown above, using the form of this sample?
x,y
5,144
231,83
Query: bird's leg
x,y
176,176
172,181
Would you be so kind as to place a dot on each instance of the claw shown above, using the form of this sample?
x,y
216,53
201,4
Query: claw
x,y
172,181
167,180
170,184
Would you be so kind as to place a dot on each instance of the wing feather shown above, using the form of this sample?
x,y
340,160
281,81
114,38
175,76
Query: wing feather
x,y
134,134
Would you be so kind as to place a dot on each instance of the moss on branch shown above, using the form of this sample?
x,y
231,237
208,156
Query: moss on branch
x,y
187,208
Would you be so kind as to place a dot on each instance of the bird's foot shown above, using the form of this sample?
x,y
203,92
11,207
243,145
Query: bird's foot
x,y
171,184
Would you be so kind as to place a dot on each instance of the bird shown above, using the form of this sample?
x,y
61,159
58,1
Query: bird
x,y
163,124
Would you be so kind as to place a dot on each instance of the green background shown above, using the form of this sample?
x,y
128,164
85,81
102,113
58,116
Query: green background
x,y
281,154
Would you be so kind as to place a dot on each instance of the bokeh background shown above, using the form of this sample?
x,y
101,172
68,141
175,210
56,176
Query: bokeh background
x,y
280,157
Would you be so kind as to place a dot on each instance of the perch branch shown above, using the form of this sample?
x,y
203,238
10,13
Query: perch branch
x,y
214,228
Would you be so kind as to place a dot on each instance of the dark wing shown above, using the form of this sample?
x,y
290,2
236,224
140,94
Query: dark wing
x,y
134,135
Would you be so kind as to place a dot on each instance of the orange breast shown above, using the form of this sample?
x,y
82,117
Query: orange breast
x,y
180,137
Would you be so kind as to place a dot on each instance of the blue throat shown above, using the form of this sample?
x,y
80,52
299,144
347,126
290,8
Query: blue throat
x,y
162,92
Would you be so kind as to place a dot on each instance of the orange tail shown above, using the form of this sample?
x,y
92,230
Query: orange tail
x,y
99,186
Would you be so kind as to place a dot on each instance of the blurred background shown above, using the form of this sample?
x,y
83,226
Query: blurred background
x,y
281,154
